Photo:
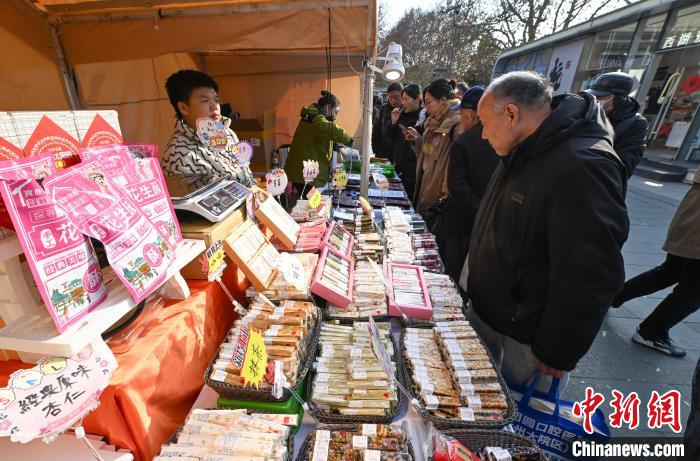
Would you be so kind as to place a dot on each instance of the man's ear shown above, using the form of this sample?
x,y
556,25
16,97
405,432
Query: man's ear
x,y
513,113
183,107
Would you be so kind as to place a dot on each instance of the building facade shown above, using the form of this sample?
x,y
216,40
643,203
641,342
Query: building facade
x,y
655,41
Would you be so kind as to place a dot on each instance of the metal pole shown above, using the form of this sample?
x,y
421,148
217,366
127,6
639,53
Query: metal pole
x,y
366,130
67,77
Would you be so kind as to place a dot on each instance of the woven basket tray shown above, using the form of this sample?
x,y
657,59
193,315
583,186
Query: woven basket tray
x,y
453,423
327,417
478,439
306,446
232,391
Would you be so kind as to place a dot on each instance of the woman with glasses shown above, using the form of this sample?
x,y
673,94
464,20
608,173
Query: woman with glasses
x,y
433,146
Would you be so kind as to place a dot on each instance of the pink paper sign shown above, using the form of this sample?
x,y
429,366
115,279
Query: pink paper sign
x,y
137,251
55,394
61,259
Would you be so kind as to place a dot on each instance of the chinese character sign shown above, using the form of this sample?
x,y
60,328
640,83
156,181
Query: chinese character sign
x,y
137,251
212,133
55,394
255,361
310,170
212,261
314,197
62,260
276,181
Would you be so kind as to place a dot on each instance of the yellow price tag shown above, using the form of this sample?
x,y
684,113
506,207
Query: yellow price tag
x,y
315,199
213,261
255,361
340,178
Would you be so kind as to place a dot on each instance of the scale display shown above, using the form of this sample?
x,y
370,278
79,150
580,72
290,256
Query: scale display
x,y
213,198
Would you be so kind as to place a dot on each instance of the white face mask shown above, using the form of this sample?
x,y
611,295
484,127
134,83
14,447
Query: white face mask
x,y
607,104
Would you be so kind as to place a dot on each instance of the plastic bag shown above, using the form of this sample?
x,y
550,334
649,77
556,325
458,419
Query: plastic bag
x,y
446,448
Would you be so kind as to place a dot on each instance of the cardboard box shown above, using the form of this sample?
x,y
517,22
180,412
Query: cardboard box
x,y
197,227
249,129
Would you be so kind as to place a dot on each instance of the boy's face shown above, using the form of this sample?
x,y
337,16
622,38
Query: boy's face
x,y
203,102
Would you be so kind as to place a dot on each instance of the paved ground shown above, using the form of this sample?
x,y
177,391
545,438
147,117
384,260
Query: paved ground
x,y
614,361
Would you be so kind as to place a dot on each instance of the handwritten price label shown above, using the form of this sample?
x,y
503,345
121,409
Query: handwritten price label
x,y
314,199
255,361
276,181
310,171
212,262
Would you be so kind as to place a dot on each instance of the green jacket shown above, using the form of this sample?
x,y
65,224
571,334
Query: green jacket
x,y
313,140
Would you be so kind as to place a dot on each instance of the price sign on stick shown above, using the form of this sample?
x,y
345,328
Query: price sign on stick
x,y
383,356
212,133
213,265
340,178
276,181
56,394
250,355
310,170
292,270
314,198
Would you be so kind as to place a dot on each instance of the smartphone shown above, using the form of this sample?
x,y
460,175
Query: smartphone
x,y
403,128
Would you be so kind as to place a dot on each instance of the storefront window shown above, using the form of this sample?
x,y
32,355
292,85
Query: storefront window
x,y
606,51
542,61
523,62
640,56
683,29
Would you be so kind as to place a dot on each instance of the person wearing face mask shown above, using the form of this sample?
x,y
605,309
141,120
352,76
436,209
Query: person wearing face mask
x,y
472,162
382,127
194,95
612,92
313,140
404,117
433,147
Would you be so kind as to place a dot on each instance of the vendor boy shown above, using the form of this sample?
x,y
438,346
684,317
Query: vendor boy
x,y
194,95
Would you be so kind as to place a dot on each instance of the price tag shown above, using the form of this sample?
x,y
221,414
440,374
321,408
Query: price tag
x,y
359,442
431,402
466,389
276,181
474,402
314,199
373,455
310,170
212,261
292,271
212,133
340,178
466,414
322,388
369,430
379,350
255,360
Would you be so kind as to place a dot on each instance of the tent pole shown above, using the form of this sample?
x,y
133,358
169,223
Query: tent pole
x,y
366,129
67,78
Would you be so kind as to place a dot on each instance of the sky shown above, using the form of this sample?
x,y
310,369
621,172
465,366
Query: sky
x,y
396,8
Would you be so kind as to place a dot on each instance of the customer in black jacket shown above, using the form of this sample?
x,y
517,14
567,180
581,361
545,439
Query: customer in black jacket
x,y
382,129
544,260
406,116
612,91
472,162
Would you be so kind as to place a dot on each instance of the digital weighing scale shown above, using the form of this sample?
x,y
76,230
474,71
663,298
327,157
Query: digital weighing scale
x,y
213,198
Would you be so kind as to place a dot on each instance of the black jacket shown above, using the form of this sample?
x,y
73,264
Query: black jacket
x,y
544,258
630,133
383,133
472,162
404,157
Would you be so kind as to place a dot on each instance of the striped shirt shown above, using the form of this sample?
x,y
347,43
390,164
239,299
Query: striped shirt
x,y
186,155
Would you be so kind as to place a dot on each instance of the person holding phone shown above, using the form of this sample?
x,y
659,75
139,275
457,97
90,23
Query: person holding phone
x,y
402,118
433,146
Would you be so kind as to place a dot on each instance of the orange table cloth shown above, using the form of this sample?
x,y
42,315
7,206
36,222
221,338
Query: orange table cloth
x,y
160,376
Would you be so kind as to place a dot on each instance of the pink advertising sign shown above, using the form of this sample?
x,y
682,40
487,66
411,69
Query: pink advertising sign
x,y
49,398
137,251
61,259
143,181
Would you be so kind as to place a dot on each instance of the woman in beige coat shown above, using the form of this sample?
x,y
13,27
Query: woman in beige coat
x,y
433,147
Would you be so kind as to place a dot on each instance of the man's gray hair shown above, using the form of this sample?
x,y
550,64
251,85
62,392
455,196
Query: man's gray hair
x,y
523,88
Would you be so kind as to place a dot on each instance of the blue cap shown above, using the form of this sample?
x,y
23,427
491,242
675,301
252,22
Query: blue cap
x,y
470,99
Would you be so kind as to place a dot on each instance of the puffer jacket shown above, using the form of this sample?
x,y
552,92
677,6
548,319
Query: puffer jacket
x,y
545,257
313,140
